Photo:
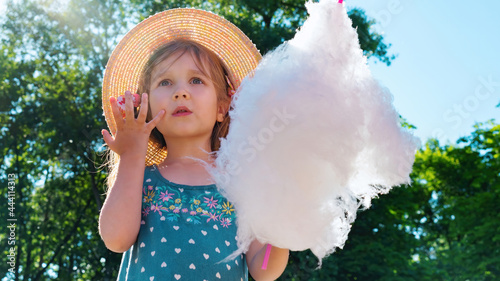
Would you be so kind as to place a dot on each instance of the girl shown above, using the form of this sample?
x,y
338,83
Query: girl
x,y
166,215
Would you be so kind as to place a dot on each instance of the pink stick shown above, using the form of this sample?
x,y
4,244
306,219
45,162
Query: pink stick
x,y
266,257
340,1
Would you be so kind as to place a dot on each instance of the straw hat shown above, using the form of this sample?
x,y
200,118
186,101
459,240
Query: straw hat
x,y
237,53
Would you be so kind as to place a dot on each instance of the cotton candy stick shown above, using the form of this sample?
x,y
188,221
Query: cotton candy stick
x,y
266,257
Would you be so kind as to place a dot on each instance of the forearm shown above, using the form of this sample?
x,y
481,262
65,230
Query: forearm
x,y
277,262
120,217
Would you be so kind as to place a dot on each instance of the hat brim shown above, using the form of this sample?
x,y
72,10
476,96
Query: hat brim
x,y
123,70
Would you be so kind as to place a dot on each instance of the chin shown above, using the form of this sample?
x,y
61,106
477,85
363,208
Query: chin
x,y
185,133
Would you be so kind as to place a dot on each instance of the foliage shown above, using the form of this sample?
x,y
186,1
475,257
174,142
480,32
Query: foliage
x,y
52,63
463,220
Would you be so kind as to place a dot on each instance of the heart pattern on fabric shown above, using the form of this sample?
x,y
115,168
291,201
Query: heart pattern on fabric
x,y
184,218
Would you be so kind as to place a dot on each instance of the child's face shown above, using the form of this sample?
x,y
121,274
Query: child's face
x,y
177,81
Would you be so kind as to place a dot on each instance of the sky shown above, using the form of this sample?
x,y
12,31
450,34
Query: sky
x,y
446,76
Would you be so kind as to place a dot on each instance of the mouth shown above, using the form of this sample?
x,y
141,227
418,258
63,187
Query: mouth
x,y
181,111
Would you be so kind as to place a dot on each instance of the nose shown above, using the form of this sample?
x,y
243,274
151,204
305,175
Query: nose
x,y
181,93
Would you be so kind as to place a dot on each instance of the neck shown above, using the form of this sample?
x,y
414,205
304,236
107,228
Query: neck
x,y
179,149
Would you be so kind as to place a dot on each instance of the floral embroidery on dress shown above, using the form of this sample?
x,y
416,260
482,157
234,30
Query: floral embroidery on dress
x,y
172,204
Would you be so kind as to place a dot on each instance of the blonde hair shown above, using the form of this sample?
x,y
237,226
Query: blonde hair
x,y
209,64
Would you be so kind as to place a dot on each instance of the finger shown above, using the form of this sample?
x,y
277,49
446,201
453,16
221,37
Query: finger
x,y
136,100
156,120
129,106
117,115
143,110
108,139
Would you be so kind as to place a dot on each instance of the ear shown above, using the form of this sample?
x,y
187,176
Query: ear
x,y
222,109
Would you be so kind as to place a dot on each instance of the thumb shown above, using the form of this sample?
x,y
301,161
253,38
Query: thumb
x,y
108,139
152,124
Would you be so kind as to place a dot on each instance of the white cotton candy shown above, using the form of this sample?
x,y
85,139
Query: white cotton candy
x,y
313,137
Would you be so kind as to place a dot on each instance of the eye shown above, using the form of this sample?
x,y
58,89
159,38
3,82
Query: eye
x,y
197,81
165,83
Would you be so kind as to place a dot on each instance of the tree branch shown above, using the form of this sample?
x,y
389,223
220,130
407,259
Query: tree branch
x,y
64,241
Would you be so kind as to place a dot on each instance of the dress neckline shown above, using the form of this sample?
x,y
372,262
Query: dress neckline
x,y
154,168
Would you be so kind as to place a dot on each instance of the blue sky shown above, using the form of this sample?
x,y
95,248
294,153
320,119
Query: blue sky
x,y
447,73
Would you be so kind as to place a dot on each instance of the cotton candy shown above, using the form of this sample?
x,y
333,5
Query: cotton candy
x,y
313,138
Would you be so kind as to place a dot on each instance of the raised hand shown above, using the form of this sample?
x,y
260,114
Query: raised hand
x,y
132,134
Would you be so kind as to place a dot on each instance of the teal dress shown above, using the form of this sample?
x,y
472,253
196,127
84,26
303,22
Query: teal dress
x,y
186,231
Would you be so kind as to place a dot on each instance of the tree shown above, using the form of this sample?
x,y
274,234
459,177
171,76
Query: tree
x,y
461,225
52,64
